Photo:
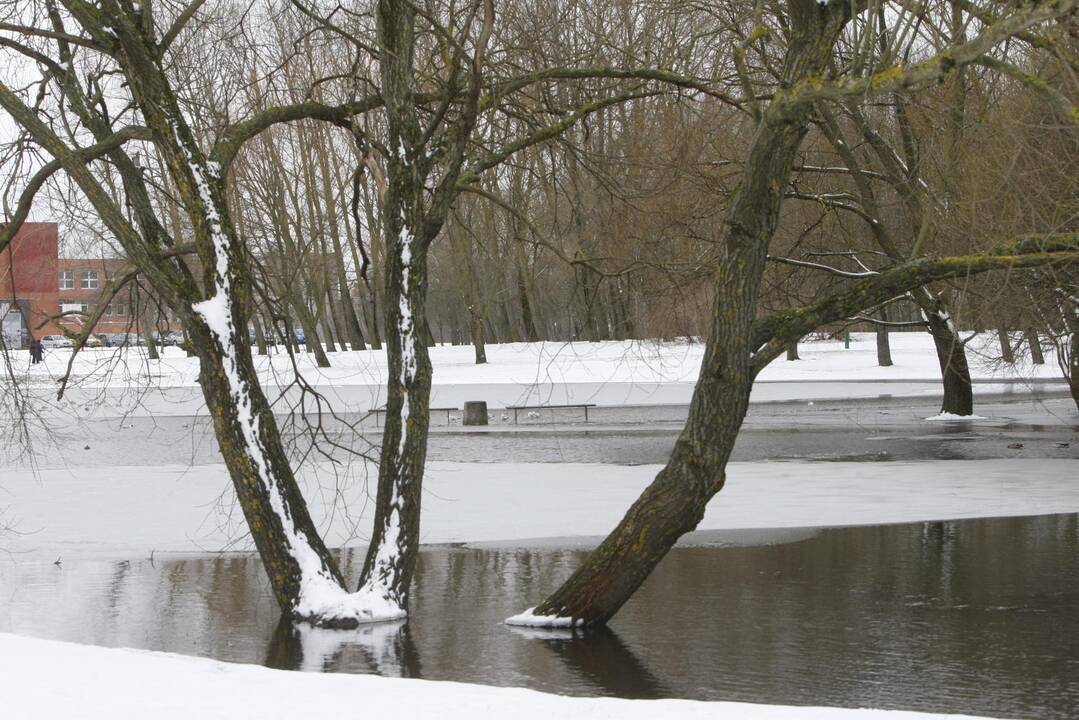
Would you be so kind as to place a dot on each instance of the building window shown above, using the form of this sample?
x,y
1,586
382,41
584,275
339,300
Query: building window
x,y
67,279
88,280
119,309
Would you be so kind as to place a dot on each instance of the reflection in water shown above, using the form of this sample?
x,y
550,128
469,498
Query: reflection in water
x,y
976,616
600,657
385,649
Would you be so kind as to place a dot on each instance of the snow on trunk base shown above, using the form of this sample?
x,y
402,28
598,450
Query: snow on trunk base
x,y
529,619
951,417
321,600
330,605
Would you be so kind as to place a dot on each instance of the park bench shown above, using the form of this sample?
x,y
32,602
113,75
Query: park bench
x,y
379,410
517,408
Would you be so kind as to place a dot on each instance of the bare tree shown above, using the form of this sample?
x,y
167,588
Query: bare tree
x,y
739,344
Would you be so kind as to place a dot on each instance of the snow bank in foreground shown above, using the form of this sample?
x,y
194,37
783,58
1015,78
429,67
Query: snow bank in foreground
x,y
127,512
41,679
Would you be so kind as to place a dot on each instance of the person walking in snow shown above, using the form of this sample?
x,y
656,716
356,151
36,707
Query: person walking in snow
x,y
37,351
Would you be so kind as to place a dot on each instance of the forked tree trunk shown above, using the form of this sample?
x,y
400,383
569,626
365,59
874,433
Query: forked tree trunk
x,y
674,503
303,576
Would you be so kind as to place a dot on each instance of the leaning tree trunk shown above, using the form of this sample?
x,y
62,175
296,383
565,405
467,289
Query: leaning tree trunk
x,y
312,341
1073,363
295,558
1068,346
952,356
303,576
674,503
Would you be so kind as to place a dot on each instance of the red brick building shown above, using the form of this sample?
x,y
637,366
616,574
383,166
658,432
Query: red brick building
x,y
48,295
80,282
28,278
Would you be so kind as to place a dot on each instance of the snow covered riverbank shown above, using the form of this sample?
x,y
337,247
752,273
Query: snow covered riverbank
x,y
608,373
45,679
129,512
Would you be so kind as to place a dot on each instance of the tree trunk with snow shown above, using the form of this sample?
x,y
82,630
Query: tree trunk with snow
x,y
391,556
951,354
303,576
674,503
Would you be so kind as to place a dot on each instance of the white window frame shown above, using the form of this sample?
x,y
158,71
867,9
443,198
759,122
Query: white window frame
x,y
67,280
88,280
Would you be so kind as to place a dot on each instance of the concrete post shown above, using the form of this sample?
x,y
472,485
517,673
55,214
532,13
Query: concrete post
x,y
475,412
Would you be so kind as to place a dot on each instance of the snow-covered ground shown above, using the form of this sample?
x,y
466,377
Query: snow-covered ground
x,y
129,512
45,679
61,509
606,373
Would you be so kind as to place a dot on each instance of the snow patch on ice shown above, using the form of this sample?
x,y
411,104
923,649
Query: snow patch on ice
x,y
951,417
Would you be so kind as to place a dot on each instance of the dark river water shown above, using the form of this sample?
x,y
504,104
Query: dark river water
x,y
972,616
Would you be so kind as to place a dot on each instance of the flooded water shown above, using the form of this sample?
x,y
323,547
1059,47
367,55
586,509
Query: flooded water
x,y
871,431
974,616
